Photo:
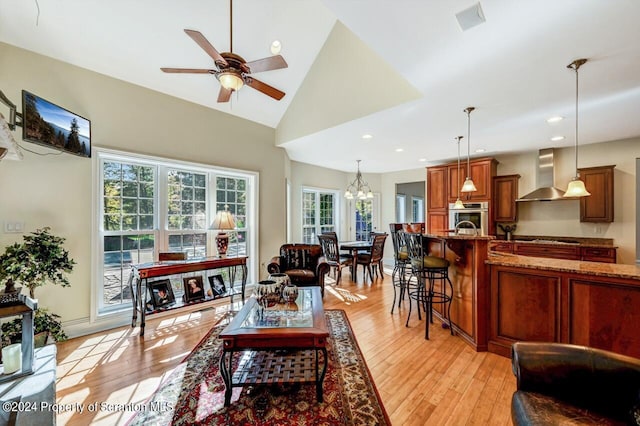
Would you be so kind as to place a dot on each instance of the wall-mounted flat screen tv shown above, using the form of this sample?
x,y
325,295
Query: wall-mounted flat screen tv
x,y
50,125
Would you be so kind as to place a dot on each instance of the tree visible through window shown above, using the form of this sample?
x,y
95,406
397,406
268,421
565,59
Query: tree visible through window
x,y
318,213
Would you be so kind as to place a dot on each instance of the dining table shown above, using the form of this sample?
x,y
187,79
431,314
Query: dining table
x,y
354,247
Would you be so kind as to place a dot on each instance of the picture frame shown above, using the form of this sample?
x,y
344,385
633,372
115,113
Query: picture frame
x,y
217,285
161,293
193,288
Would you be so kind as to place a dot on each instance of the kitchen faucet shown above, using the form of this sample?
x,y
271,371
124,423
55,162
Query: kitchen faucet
x,y
473,225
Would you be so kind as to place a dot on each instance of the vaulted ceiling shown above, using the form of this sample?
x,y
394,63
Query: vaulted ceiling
x,y
402,71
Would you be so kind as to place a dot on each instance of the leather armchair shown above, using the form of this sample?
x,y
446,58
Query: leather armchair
x,y
303,263
562,384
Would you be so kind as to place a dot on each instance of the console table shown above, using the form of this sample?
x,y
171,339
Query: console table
x,y
140,275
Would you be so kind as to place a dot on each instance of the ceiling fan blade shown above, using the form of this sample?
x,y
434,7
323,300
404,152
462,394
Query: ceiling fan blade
x,y
267,64
265,88
188,70
224,95
206,46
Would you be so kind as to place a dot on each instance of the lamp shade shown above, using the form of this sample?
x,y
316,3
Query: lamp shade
x,y
223,220
576,188
468,185
459,205
230,81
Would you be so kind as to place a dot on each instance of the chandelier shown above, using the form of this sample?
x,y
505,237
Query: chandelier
x,y
359,186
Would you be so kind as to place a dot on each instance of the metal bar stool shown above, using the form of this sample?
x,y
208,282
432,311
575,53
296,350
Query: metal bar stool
x,y
427,269
401,261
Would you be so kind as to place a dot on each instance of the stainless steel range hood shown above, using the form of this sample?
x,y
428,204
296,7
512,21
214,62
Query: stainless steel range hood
x,y
545,180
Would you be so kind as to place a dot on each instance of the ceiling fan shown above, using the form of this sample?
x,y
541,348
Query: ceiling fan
x,y
232,71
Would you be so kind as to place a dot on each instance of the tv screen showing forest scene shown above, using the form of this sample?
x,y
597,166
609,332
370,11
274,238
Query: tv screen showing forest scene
x,y
50,125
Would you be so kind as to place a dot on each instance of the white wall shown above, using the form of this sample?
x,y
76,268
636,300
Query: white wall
x,y
56,190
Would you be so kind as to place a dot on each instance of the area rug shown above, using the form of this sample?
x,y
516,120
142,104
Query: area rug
x,y
193,394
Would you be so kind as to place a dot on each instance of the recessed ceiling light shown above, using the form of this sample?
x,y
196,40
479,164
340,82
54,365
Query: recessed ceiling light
x,y
480,150
276,46
554,119
367,136
399,149
557,138
422,160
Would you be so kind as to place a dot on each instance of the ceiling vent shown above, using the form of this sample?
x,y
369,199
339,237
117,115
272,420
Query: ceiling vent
x,y
470,17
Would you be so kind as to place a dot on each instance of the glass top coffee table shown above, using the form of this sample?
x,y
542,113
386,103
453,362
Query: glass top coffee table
x,y
276,344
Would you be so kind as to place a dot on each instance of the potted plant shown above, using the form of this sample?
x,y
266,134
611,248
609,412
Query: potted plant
x,y
39,260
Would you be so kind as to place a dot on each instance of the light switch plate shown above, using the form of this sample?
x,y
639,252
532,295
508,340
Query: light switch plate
x,y
13,227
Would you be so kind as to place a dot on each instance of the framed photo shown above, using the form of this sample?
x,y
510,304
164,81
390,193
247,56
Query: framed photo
x,y
193,288
161,293
217,285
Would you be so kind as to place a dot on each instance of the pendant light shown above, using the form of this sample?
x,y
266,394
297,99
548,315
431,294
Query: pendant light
x,y
468,185
576,187
459,204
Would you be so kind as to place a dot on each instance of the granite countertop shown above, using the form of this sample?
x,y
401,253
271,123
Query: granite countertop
x,y
615,270
446,235
555,240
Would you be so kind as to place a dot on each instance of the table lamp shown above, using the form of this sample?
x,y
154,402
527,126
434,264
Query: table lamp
x,y
223,221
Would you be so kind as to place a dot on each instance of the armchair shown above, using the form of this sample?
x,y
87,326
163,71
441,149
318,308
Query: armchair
x,y
303,263
560,383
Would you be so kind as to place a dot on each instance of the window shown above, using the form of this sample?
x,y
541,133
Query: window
x,y
364,219
400,208
319,213
147,205
417,205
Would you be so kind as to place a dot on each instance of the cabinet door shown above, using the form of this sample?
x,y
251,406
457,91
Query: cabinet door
x,y
455,182
437,188
481,175
501,246
598,207
550,251
437,221
505,193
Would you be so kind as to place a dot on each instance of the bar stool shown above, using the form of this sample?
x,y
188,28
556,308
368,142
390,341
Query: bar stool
x,y
401,261
427,269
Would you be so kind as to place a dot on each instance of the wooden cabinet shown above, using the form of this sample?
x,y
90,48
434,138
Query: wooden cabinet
x,y
482,171
501,246
598,254
578,307
598,207
554,251
437,203
505,193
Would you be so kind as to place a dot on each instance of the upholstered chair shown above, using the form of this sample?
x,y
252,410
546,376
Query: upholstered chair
x,y
303,263
563,384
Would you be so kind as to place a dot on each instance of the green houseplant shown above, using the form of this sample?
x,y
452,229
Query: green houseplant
x,y
38,260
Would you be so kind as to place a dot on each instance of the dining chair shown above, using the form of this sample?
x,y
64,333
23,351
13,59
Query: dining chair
x,y
372,261
331,251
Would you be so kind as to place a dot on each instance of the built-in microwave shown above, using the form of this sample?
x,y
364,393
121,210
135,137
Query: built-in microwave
x,y
476,213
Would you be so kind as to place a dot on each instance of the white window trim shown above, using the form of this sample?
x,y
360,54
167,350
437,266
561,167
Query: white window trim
x,y
336,210
99,153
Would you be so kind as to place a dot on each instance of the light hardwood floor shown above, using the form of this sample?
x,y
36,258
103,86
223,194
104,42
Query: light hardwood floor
x,y
440,381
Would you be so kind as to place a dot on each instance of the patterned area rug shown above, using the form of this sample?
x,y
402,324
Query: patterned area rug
x,y
194,392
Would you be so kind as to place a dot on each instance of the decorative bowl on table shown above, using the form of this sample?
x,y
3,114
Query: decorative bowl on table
x,y
267,292
281,278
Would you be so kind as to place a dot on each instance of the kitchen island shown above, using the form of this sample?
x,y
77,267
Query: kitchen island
x,y
468,271
570,301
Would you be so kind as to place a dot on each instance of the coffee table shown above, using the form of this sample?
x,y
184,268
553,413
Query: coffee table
x,y
276,344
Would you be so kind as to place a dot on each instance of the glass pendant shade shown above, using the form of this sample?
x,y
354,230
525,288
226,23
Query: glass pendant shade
x,y
468,185
348,195
230,81
576,188
459,205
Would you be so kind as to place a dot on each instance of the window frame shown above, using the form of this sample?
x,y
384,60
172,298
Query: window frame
x,y
336,209
160,229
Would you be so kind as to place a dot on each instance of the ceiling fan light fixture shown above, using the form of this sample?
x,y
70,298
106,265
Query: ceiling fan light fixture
x,y
230,80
